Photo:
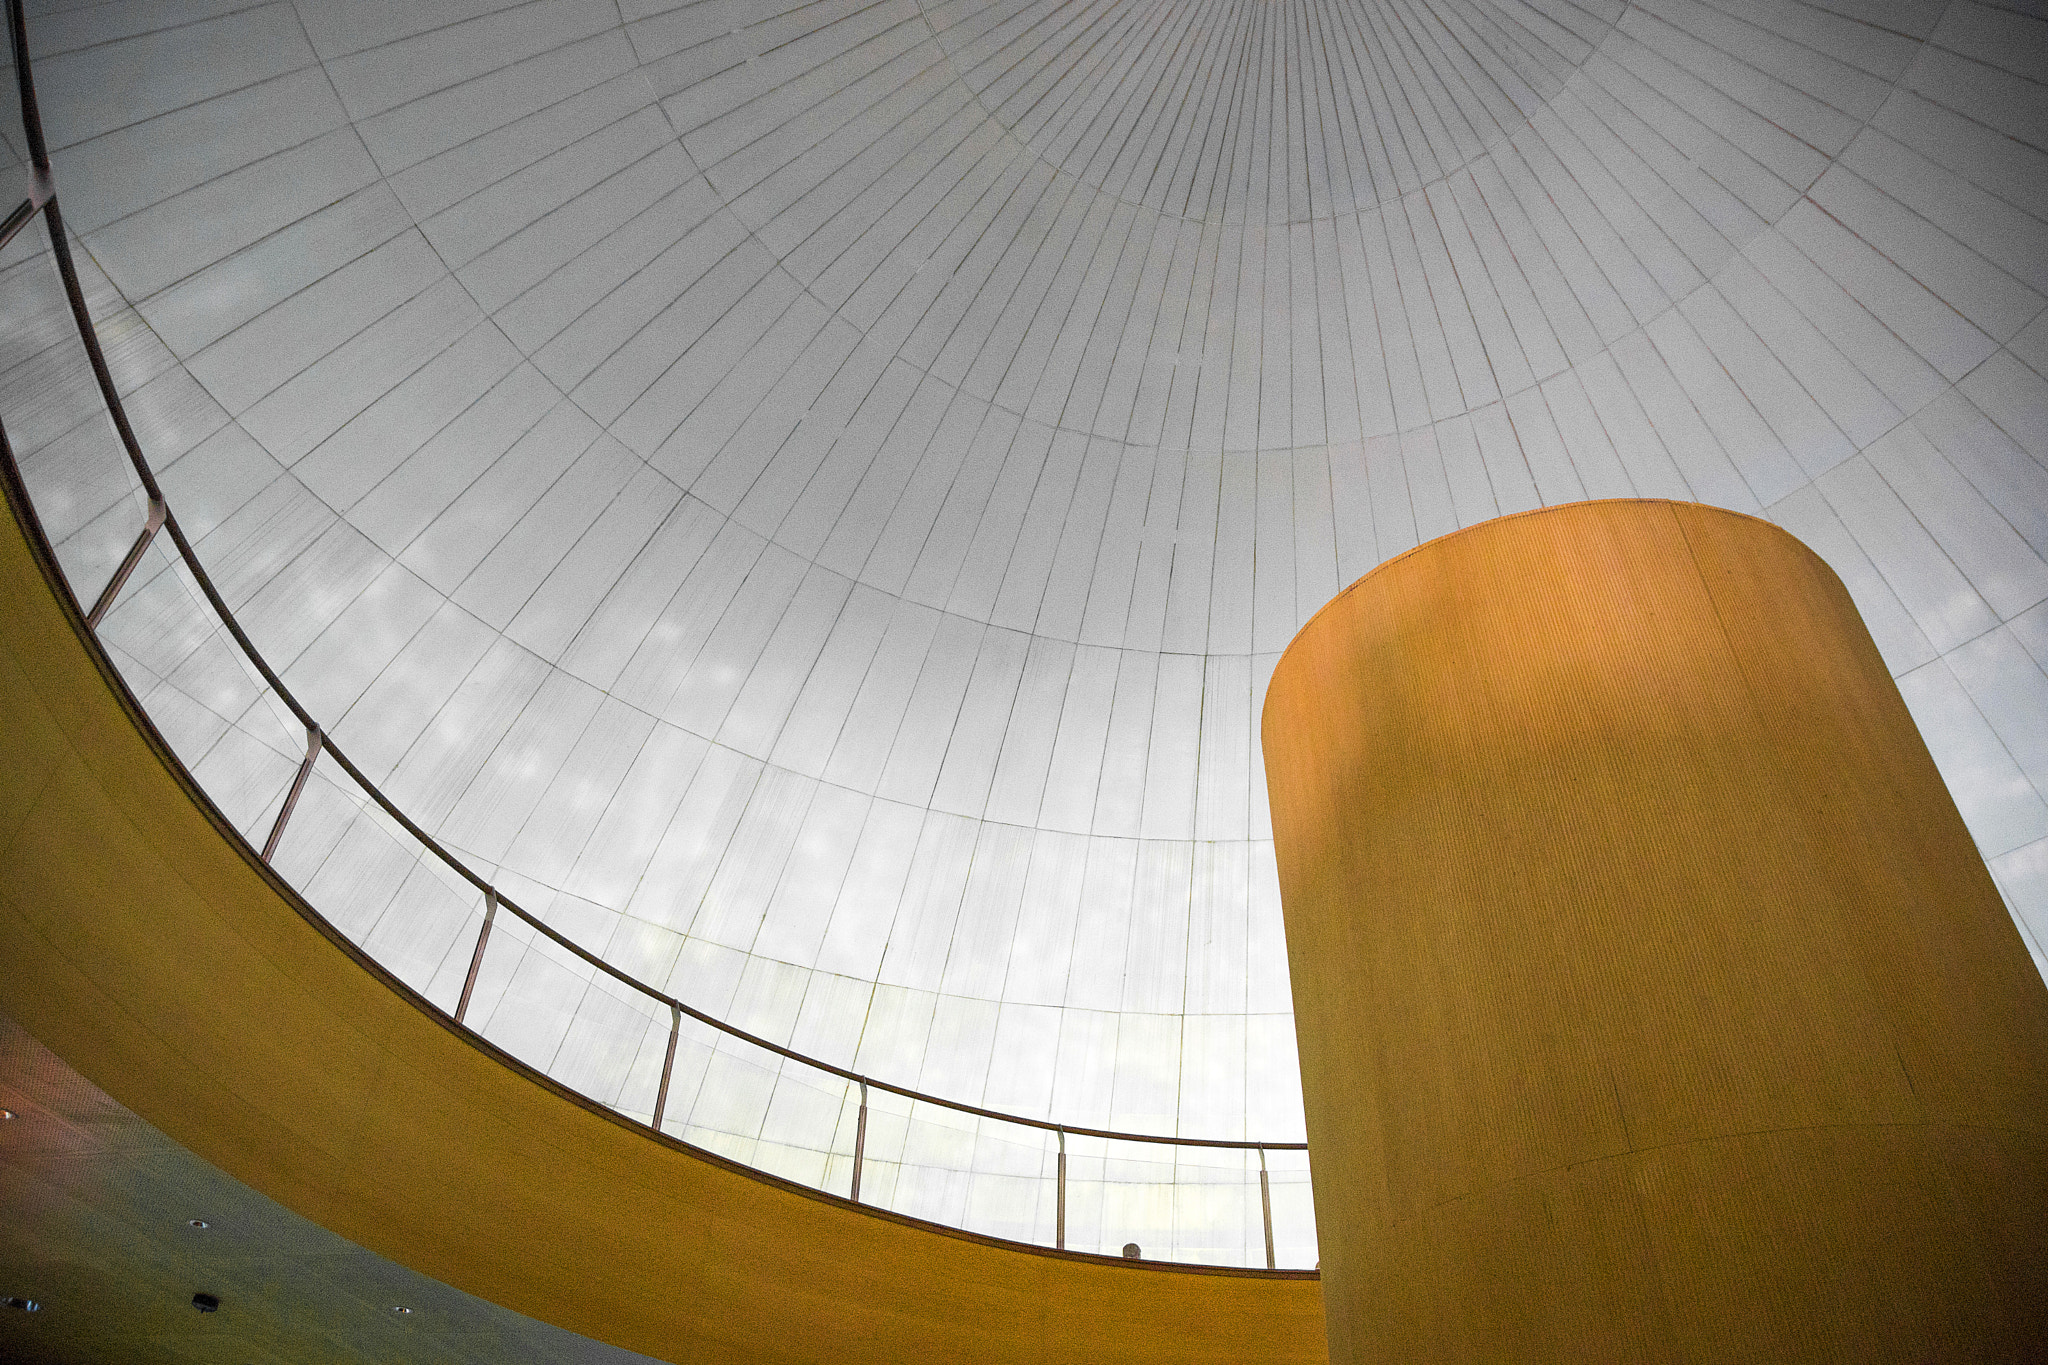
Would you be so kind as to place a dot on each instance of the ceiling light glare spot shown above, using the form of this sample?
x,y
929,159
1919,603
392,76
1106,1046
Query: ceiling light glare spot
x,y
22,1305
199,1223
6,1114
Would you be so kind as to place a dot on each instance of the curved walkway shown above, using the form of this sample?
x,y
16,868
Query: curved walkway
x,y
172,970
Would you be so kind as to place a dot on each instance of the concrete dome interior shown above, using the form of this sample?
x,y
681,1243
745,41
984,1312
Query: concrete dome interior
x,y
808,500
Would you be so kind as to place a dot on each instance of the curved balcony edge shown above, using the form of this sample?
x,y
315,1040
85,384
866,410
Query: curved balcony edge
x,y
153,951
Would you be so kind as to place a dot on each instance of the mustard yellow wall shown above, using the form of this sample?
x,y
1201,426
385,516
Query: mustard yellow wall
x,y
173,972
1653,1002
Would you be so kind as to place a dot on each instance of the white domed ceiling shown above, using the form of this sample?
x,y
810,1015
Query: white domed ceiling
x,y
808,500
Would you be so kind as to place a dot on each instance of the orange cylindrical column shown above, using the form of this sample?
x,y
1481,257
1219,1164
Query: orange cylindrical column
x,y
1653,1002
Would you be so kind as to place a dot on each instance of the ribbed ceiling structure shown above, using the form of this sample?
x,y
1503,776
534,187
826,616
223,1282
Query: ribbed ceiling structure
x,y
809,497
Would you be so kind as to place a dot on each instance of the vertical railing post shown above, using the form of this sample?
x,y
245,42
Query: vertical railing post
x,y
1266,1206
860,1141
668,1066
291,798
476,959
1059,1227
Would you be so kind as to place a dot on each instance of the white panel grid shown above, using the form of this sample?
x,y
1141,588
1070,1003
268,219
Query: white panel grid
x,y
816,503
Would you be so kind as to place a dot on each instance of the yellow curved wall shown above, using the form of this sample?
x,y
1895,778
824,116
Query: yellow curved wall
x,y
173,972
1653,1002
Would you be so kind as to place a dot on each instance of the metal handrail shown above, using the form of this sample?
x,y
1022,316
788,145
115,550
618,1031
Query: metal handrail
x,y
43,199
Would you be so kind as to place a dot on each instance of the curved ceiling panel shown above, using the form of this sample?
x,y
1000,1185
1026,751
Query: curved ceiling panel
x,y
809,500
1161,104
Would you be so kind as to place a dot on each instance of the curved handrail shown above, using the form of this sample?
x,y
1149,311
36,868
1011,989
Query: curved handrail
x,y
43,199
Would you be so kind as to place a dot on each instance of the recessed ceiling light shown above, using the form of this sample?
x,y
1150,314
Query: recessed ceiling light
x,y
199,1223
400,1309
6,1114
25,1305
206,1303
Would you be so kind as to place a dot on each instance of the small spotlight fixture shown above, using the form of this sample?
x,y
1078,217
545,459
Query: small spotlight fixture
x,y
199,1223
206,1303
21,1305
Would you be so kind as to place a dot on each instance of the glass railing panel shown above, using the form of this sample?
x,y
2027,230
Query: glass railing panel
x,y
1012,1187
528,992
15,176
234,733
1118,1193
730,1106
37,315
161,623
1294,1211
380,886
342,853
807,1132
926,1152
99,506
427,933
85,491
613,1049
1216,1212
983,1174
154,628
